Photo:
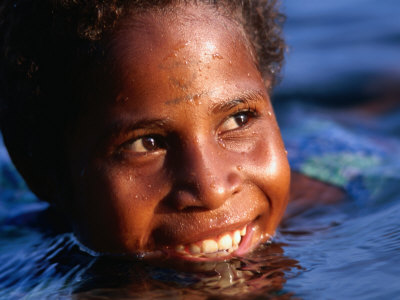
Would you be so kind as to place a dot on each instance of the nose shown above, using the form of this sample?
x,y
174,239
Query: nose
x,y
206,177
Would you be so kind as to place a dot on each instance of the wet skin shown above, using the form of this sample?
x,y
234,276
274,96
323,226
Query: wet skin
x,y
185,147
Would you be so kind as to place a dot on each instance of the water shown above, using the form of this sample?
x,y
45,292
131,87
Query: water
x,y
343,53
351,249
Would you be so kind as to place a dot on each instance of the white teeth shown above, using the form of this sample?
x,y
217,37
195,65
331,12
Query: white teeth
x,y
209,246
225,242
236,237
222,246
194,249
243,231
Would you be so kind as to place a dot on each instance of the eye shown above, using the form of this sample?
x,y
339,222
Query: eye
x,y
145,144
237,120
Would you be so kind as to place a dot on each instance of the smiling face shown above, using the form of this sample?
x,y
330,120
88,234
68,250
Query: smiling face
x,y
184,156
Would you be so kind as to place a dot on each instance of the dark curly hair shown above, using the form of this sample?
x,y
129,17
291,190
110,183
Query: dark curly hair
x,y
47,47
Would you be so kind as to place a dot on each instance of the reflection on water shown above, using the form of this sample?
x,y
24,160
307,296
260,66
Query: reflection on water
x,y
261,274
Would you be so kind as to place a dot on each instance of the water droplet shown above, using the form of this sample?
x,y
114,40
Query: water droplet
x,y
217,56
222,143
270,113
196,98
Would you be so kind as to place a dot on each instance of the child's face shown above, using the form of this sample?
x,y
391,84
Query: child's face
x,y
186,155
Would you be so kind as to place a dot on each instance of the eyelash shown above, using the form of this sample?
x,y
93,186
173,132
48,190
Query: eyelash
x,y
158,140
252,109
251,112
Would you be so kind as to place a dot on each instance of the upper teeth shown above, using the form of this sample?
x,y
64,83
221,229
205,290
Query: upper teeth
x,y
228,242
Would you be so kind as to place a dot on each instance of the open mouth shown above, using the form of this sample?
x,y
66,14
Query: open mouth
x,y
223,246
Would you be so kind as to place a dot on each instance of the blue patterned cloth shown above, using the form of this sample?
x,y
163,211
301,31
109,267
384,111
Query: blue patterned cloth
x,y
349,150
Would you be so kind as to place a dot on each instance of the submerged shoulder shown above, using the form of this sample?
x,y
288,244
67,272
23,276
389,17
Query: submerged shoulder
x,y
306,192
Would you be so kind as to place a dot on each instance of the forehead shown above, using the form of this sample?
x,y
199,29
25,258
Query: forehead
x,y
160,29
168,46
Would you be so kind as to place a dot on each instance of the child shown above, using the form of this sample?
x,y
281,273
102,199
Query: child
x,y
148,123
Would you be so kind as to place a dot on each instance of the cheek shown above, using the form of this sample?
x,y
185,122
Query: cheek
x,y
119,207
269,170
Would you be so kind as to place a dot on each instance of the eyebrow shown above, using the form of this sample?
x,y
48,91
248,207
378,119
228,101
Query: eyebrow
x,y
245,98
123,126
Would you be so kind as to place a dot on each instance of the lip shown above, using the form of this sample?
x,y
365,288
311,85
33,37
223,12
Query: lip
x,y
244,247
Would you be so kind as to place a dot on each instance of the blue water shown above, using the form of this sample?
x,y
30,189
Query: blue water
x,y
343,60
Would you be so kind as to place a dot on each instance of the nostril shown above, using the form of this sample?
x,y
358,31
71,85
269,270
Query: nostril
x,y
188,200
184,199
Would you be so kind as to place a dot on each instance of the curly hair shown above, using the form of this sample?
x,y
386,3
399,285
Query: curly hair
x,y
46,46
